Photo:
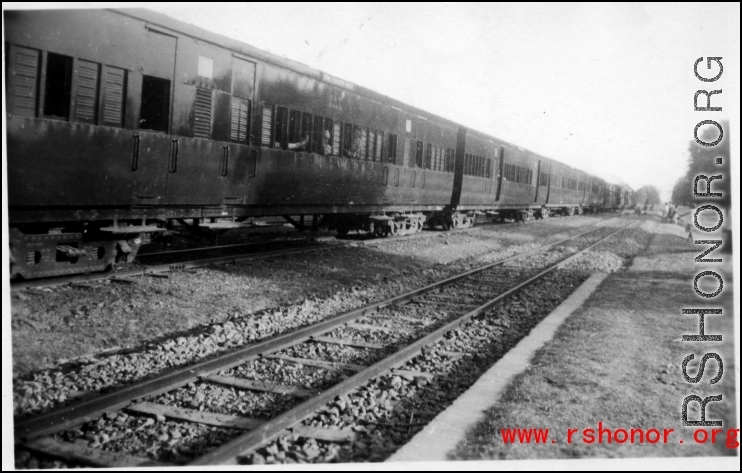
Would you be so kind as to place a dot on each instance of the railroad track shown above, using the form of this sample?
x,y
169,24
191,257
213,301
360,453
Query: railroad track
x,y
395,339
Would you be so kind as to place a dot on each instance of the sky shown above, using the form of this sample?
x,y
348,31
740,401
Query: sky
x,y
605,88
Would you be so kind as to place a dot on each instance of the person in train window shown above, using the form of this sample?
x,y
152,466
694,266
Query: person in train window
x,y
301,145
355,148
326,145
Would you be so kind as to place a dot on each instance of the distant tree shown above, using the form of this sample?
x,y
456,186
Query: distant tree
x,y
648,195
702,160
682,192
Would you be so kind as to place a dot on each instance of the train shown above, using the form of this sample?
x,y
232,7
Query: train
x,y
124,123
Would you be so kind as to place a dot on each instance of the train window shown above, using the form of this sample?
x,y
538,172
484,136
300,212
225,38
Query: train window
x,y
436,158
358,143
428,155
406,161
295,126
379,145
371,145
114,85
336,138
450,160
347,139
58,87
393,148
24,77
488,168
281,128
363,145
306,131
419,150
317,139
202,113
205,67
239,119
543,179
85,78
265,133
155,110
324,136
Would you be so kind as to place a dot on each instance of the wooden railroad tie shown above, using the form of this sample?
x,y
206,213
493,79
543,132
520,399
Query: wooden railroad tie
x,y
260,386
328,365
79,451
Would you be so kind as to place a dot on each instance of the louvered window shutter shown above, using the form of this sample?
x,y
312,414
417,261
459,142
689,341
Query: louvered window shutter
x,y
114,83
267,124
202,113
24,81
86,90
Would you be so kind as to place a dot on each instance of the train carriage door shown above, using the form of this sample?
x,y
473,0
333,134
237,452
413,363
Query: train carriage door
x,y
240,160
500,171
538,175
458,176
154,152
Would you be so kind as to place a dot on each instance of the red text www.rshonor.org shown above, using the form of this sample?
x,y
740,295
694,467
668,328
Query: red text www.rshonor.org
x,y
605,435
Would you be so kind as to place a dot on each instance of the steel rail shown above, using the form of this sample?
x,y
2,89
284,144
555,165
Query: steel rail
x,y
230,452
77,413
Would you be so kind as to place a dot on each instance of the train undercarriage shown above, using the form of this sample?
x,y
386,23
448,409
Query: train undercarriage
x,y
46,250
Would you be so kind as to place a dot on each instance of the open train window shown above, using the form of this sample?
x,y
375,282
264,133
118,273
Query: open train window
x,y
379,145
317,140
428,155
371,145
347,139
419,154
363,145
294,126
281,128
306,130
58,88
392,148
155,110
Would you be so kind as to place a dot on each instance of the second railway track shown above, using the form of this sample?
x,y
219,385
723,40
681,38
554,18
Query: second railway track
x,y
382,334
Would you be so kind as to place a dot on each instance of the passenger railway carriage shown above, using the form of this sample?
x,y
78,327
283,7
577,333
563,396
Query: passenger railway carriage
x,y
121,122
